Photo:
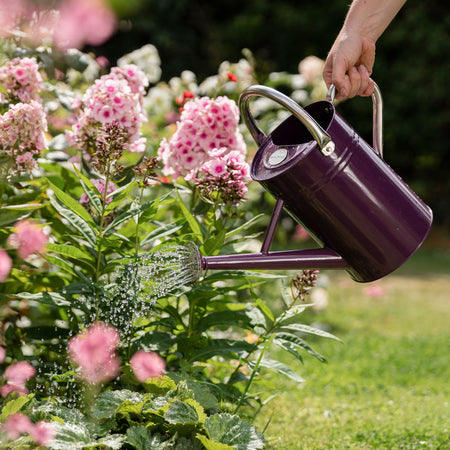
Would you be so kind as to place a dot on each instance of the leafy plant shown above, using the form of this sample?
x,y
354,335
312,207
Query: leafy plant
x,y
120,275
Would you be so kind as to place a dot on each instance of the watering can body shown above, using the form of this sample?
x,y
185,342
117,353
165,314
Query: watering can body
x,y
366,219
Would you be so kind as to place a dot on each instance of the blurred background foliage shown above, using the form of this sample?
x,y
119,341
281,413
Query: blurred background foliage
x,y
411,67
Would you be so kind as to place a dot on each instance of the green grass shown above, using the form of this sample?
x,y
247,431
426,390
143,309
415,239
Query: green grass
x,y
387,385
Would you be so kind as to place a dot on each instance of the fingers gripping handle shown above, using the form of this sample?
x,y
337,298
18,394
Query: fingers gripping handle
x,y
319,134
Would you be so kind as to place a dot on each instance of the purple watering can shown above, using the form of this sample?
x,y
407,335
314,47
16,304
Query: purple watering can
x,y
365,218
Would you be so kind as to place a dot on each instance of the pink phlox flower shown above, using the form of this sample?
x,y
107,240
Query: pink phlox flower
x,y
147,365
10,15
42,433
94,352
29,238
17,424
5,265
135,77
21,78
16,375
19,372
375,290
205,126
115,97
100,185
300,234
24,125
84,22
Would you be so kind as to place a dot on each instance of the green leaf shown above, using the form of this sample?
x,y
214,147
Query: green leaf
x,y
91,191
264,308
68,433
14,406
71,252
208,444
140,438
221,347
224,318
195,227
297,341
162,231
159,385
245,225
113,442
109,402
118,195
214,244
72,204
281,368
232,431
301,328
54,299
290,313
77,222
134,210
180,412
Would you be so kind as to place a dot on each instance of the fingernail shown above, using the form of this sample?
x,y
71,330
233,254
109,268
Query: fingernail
x,y
343,92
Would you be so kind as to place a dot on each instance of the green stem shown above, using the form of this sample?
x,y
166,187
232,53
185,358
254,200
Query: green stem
x,y
255,369
100,240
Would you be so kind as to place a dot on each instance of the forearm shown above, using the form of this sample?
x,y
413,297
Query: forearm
x,y
370,18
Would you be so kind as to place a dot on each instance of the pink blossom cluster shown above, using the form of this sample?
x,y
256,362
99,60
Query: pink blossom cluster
x,y
136,78
16,376
28,238
5,267
17,424
21,79
22,134
223,179
147,365
95,353
205,126
100,185
113,98
74,24
84,22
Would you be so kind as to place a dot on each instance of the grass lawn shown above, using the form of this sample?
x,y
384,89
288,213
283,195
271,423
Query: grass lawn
x,y
387,385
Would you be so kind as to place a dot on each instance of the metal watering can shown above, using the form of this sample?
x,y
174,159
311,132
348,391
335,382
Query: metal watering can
x,y
365,218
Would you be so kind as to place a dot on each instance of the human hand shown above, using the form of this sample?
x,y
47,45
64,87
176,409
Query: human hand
x,y
349,65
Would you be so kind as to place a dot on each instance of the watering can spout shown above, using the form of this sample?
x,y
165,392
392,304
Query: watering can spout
x,y
321,258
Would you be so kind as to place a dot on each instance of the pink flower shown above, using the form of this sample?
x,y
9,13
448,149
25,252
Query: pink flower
x,y
17,375
2,354
311,68
147,365
28,238
300,234
17,424
21,78
5,265
375,291
19,372
205,126
42,433
116,97
84,22
94,352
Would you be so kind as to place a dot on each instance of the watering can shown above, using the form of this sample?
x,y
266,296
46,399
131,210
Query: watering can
x,y
365,218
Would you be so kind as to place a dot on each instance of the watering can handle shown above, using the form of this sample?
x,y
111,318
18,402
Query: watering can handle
x,y
377,101
320,135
